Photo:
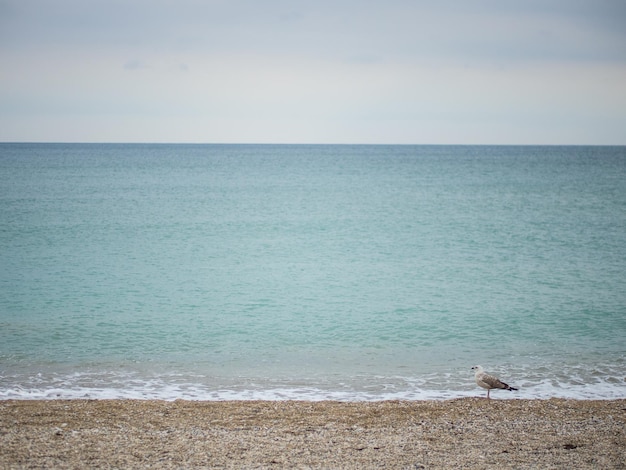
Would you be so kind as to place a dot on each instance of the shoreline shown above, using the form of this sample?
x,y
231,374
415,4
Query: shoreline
x,y
465,432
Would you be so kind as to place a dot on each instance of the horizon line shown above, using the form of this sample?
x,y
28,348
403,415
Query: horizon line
x,y
42,142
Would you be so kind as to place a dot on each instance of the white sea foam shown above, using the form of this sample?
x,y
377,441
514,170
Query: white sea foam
x,y
173,387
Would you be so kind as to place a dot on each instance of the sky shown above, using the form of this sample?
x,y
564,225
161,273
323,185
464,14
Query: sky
x,y
314,71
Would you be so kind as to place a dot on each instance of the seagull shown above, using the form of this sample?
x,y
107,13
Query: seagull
x,y
489,382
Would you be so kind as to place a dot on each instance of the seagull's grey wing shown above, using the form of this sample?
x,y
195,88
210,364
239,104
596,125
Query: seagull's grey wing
x,y
492,381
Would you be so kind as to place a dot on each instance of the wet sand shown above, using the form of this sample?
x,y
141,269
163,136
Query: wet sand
x,y
464,433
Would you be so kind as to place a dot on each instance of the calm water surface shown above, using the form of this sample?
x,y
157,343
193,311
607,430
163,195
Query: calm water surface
x,y
311,272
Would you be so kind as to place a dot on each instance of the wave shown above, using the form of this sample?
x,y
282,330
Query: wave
x,y
364,388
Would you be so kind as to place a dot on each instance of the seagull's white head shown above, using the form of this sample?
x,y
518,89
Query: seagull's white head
x,y
478,369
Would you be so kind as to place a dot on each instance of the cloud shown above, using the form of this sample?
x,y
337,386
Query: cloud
x,y
134,64
393,71
393,29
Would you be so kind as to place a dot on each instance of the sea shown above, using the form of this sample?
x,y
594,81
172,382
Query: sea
x,y
311,272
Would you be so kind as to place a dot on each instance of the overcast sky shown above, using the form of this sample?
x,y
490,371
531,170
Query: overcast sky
x,y
314,71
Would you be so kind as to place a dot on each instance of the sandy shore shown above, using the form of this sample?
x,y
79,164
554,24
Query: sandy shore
x,y
465,433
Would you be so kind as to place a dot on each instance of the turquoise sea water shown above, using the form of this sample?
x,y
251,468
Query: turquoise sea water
x,y
311,271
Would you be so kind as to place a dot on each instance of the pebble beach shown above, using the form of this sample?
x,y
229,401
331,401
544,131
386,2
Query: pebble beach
x,y
463,433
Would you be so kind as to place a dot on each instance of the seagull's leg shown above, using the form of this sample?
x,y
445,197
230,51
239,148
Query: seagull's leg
x,y
488,390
